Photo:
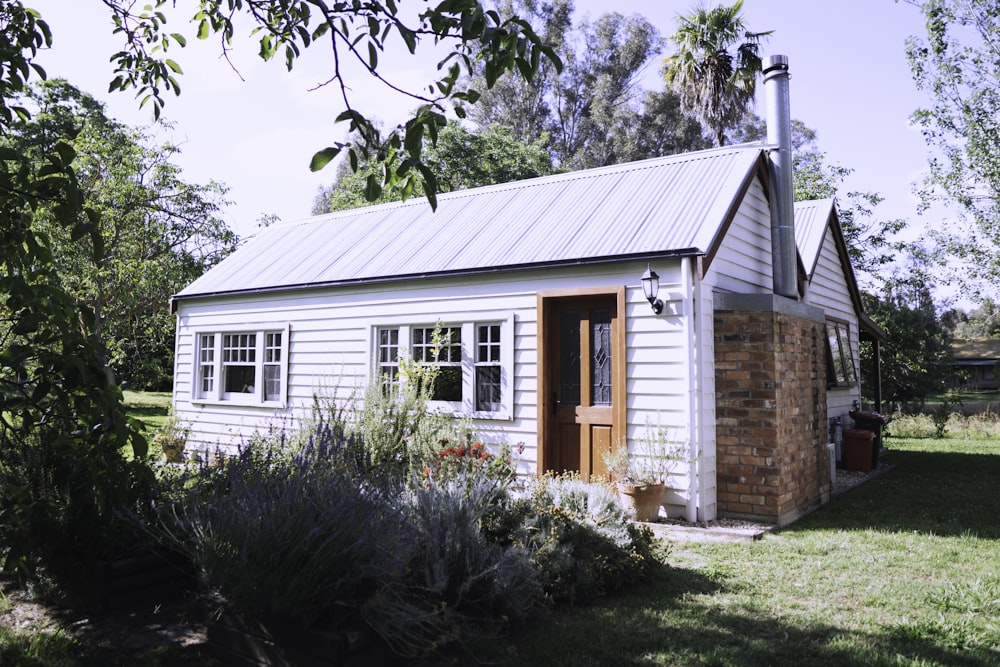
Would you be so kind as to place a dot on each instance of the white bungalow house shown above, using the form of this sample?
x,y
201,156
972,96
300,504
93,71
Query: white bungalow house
x,y
551,341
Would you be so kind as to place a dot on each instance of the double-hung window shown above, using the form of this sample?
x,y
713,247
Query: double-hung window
x,y
472,361
441,348
488,369
249,366
839,355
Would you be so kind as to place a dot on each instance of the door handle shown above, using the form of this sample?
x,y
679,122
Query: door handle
x,y
555,403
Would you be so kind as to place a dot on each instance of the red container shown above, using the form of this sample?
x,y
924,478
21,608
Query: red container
x,y
858,446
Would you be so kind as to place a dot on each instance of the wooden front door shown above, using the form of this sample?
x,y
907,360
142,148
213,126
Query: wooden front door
x,y
583,357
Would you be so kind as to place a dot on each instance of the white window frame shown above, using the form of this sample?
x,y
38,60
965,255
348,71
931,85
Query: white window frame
x,y
264,353
467,406
841,349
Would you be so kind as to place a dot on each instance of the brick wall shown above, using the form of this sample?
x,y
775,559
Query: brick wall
x,y
770,378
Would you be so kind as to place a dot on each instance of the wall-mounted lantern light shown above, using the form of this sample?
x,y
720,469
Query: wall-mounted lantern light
x,y
650,287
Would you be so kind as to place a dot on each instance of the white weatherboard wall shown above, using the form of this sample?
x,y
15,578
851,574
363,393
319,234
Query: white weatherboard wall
x,y
331,345
828,290
742,264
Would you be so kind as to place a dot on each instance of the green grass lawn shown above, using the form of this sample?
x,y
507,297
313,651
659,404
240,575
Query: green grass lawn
x,y
904,570
150,407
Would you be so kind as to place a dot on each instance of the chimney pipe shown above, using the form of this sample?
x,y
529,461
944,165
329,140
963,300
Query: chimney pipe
x,y
779,131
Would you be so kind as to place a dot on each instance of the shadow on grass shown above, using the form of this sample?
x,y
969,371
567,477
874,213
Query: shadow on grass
x,y
933,493
678,621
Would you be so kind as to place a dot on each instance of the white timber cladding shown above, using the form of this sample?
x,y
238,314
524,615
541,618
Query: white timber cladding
x,y
742,263
332,347
828,290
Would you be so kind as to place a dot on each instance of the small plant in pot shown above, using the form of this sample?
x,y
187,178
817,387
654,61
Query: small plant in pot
x,y
641,475
641,492
172,439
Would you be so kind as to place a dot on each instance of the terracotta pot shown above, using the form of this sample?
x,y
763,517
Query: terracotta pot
x,y
641,501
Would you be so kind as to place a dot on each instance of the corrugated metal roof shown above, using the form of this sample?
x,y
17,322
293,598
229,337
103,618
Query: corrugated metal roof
x,y
675,204
976,349
811,220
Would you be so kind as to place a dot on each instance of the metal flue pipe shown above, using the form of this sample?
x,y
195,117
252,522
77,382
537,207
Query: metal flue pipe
x,y
784,257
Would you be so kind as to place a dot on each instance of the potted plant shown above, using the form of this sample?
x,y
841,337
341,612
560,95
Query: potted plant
x,y
172,439
641,475
640,491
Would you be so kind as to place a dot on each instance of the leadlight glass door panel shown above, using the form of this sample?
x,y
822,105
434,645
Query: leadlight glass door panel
x,y
583,363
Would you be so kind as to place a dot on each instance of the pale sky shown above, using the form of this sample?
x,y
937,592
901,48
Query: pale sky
x,y
850,82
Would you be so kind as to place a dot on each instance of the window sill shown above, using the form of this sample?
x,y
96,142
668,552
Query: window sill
x,y
844,385
239,404
455,411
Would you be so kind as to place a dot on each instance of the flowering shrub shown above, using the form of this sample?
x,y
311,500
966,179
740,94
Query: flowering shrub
x,y
468,462
459,588
427,544
579,538
288,532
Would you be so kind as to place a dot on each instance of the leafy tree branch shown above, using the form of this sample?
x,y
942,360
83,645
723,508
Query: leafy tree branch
x,y
473,37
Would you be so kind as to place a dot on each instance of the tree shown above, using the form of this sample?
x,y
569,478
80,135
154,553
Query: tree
x,y
63,430
716,84
594,99
64,473
157,232
871,241
981,322
917,350
595,112
526,106
957,64
472,35
464,158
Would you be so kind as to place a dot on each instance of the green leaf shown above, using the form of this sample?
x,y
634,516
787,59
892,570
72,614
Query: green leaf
x,y
373,188
413,141
179,38
173,66
408,36
524,67
323,158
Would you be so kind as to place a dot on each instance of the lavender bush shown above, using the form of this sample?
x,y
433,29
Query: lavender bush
x,y
290,532
579,539
459,589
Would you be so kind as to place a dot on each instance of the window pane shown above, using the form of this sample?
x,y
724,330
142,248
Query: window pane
x,y
239,379
488,344
488,388
206,368
422,344
600,362
448,347
487,368
207,379
839,371
443,351
388,357
272,383
239,348
272,348
569,357
448,384
847,351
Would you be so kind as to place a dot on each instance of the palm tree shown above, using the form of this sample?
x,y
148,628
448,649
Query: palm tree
x,y
715,83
